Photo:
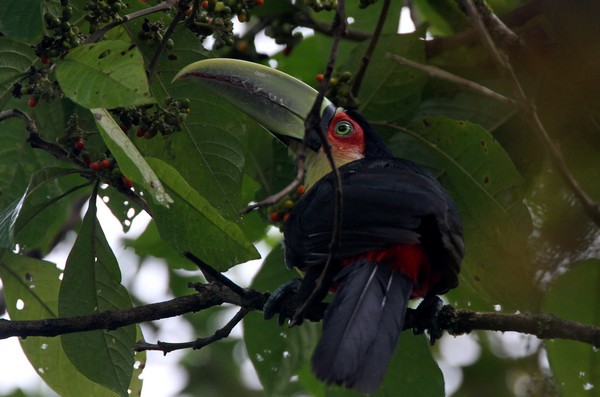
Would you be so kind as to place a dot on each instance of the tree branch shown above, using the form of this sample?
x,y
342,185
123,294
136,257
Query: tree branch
x,y
544,326
454,321
97,35
208,295
366,59
199,343
435,72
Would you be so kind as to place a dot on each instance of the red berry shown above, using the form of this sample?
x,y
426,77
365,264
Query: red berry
x,y
95,166
127,182
204,4
44,59
32,101
140,132
79,144
300,189
320,77
259,2
274,217
287,51
106,163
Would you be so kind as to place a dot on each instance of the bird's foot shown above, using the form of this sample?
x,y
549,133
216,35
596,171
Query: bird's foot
x,y
283,301
426,318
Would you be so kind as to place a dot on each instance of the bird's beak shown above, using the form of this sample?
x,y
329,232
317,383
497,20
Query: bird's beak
x,y
277,101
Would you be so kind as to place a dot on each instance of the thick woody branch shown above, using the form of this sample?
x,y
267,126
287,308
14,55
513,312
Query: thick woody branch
x,y
544,326
454,321
213,294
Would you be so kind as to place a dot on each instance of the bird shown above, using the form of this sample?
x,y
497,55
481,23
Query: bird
x,y
400,236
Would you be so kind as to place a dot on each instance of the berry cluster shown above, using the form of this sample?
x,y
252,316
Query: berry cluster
x,y
281,211
153,33
75,143
37,85
214,17
103,12
282,30
153,119
64,35
340,89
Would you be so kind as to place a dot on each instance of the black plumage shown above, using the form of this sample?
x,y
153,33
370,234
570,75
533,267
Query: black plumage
x,y
386,201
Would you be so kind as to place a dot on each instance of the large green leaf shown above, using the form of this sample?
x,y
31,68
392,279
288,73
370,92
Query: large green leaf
x,y
107,74
35,284
487,189
191,224
92,284
575,365
390,91
21,20
277,352
130,161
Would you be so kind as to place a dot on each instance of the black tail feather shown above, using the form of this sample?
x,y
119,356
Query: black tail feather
x,y
361,326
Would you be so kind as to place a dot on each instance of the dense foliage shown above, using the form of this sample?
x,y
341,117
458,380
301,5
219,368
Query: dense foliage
x,y
89,109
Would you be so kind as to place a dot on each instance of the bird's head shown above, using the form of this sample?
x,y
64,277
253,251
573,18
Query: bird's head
x,y
281,103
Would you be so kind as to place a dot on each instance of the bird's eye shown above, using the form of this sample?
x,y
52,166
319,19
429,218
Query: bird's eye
x,y
343,128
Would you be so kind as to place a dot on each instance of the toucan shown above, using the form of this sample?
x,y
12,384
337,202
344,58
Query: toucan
x,y
400,235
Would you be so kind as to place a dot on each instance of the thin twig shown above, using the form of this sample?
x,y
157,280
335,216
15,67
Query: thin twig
x,y
591,208
435,72
97,35
313,122
366,59
222,333
163,44
494,25
303,18
213,275
275,198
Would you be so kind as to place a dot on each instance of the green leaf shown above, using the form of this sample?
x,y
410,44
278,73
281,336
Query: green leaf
x,y
390,91
16,60
21,20
92,284
35,283
130,161
191,224
442,17
44,192
487,190
575,364
107,74
277,352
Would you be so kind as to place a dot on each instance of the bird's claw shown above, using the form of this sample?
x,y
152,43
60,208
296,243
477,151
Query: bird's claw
x,y
426,318
278,302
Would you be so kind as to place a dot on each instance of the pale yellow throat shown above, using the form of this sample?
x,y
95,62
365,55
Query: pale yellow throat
x,y
317,165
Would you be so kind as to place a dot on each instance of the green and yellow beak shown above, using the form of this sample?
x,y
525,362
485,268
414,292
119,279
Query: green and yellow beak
x,y
277,101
